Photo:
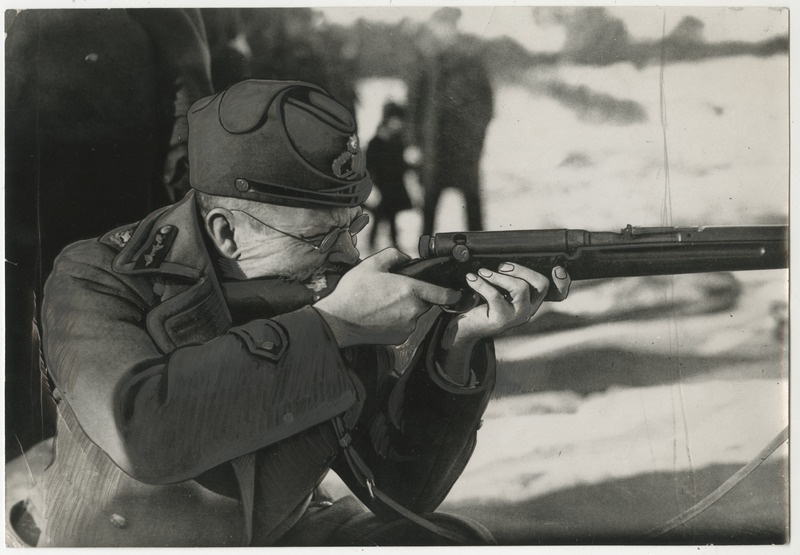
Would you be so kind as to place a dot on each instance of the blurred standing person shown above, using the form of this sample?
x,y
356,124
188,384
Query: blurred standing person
x,y
96,133
292,44
284,45
451,104
231,55
388,167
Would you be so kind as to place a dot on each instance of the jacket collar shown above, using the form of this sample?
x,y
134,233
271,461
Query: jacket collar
x,y
167,242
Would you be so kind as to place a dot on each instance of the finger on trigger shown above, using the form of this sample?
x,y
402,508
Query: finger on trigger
x,y
434,294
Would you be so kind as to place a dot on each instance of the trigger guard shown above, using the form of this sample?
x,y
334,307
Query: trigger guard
x,y
468,302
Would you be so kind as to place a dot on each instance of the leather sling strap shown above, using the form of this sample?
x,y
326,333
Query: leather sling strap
x,y
366,478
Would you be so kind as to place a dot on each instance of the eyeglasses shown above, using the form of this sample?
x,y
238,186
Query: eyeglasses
x,y
324,245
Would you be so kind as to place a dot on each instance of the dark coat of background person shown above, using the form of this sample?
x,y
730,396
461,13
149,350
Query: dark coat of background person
x,y
95,127
288,44
388,167
231,59
451,104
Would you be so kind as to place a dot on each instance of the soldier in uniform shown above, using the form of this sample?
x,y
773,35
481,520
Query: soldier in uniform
x,y
451,104
209,375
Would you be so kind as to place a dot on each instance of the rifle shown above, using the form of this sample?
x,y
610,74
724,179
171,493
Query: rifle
x,y
445,258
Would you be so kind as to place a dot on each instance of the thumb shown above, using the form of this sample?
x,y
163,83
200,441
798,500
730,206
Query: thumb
x,y
562,282
386,259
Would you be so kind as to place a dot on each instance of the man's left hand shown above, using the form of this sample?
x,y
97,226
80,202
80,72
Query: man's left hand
x,y
513,294
525,290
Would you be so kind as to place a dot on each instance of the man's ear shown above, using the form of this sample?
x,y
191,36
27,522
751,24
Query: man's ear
x,y
220,227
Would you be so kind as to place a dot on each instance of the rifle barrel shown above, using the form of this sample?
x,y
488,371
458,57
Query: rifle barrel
x,y
642,251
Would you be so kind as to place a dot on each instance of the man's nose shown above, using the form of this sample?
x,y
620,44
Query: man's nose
x,y
344,251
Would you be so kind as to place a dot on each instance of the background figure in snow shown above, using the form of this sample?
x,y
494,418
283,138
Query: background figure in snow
x,y
450,98
294,44
388,167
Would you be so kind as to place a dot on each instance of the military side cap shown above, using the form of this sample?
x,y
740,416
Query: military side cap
x,y
278,142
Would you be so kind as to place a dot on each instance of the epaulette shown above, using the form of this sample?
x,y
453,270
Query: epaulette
x,y
118,238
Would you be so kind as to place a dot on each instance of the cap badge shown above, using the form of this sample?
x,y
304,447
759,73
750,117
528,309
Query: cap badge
x,y
351,162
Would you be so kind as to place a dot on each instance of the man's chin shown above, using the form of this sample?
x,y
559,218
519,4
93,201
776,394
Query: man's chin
x,y
312,276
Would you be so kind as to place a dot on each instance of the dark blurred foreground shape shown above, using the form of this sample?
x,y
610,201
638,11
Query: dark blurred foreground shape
x,y
95,138
451,103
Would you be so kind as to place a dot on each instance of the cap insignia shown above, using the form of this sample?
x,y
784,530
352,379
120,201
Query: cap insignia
x,y
350,163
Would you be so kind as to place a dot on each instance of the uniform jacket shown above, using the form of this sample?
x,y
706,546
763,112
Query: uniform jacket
x,y
179,426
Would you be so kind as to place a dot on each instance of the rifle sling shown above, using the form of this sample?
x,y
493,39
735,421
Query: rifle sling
x,y
724,488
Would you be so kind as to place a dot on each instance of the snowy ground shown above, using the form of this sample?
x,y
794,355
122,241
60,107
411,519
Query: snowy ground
x,y
634,398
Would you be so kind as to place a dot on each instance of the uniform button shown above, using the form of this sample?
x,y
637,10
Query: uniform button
x,y
268,345
92,57
119,521
166,229
288,418
241,185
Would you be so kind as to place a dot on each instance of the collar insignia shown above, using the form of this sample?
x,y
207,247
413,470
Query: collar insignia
x,y
155,253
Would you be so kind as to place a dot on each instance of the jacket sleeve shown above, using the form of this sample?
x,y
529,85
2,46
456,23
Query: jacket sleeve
x,y
165,418
417,435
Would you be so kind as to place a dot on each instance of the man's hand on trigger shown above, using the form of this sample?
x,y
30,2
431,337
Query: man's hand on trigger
x,y
370,305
